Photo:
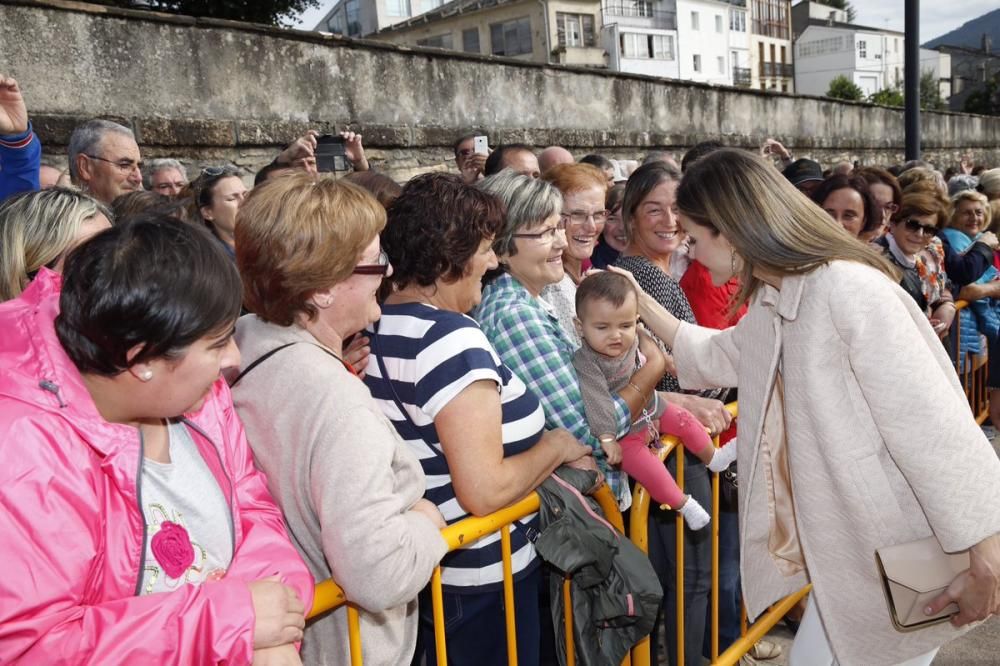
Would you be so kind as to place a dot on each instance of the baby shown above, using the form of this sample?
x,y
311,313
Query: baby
x,y
607,319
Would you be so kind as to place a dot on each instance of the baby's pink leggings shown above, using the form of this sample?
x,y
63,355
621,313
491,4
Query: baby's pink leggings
x,y
642,464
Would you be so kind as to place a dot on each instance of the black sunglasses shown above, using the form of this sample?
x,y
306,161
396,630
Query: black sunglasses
x,y
915,226
380,268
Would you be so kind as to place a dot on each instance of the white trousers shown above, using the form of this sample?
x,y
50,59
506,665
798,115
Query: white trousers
x,y
811,647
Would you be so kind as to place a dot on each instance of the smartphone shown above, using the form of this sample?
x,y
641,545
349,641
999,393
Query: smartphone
x,y
480,145
330,153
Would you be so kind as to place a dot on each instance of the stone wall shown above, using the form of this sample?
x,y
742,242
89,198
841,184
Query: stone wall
x,y
209,91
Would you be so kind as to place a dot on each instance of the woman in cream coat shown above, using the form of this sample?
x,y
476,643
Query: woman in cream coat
x,y
854,431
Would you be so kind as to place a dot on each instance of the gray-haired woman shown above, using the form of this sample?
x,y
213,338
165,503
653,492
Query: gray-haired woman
x,y
525,330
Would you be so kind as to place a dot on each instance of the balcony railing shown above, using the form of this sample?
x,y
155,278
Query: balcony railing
x,y
638,15
742,76
776,70
776,29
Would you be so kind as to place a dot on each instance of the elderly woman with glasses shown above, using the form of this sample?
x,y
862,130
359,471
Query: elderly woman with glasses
x,y
525,329
478,431
218,193
350,488
583,188
913,246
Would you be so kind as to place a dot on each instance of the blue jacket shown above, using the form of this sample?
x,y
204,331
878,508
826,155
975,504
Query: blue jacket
x,y
20,158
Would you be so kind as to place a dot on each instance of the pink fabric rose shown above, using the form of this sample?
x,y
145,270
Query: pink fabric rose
x,y
172,549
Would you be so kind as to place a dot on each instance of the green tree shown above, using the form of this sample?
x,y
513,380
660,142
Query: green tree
x,y
930,92
842,87
852,14
272,12
985,100
887,97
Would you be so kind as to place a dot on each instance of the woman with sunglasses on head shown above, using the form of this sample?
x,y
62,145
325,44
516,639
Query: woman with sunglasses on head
x,y
350,488
135,528
913,246
217,195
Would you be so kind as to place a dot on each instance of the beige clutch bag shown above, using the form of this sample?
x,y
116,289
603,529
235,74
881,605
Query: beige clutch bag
x,y
912,575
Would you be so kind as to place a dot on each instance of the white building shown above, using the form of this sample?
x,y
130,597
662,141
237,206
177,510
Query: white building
x,y
641,37
827,46
703,39
740,64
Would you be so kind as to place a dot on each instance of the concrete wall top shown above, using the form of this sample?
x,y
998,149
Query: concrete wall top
x,y
201,82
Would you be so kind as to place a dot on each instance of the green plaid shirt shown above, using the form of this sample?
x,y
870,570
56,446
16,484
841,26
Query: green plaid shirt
x,y
526,334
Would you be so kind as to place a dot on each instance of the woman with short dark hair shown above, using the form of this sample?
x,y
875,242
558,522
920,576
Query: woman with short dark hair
x,y
476,428
849,201
217,194
156,539
350,488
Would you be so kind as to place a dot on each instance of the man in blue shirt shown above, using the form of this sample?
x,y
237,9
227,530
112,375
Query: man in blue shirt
x,y
20,150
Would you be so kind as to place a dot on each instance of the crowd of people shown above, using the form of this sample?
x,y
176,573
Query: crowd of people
x,y
214,396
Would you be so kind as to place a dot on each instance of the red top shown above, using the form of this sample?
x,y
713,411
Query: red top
x,y
709,303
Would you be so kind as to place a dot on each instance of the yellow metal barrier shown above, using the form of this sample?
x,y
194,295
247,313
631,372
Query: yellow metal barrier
x,y
639,533
330,596
972,370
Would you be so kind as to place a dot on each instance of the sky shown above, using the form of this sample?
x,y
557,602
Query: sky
x,y
936,17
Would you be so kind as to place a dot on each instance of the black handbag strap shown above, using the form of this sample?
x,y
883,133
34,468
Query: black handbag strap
x,y
274,351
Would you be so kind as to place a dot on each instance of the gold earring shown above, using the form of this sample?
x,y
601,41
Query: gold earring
x,y
732,259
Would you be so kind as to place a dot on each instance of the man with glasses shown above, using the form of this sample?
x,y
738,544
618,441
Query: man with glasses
x,y
104,160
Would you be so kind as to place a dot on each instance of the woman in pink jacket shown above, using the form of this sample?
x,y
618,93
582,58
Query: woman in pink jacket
x,y
134,527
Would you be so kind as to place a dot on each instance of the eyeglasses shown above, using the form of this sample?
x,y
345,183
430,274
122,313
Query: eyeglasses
x,y
546,235
380,268
916,227
124,165
580,217
216,171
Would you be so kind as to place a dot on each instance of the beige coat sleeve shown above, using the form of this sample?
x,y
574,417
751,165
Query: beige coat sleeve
x,y
379,551
706,357
919,409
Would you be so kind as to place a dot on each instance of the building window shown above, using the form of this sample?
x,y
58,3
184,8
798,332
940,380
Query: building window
x,y
697,62
643,47
784,86
722,64
470,40
784,56
662,47
438,41
718,23
862,49
737,20
397,7
511,38
643,8
353,10
634,45
694,21
770,18
896,45
575,29
338,23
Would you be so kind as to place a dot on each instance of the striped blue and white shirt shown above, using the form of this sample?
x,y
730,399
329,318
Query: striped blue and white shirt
x,y
430,356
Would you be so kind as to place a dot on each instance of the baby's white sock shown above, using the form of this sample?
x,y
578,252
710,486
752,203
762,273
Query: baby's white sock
x,y
723,457
694,515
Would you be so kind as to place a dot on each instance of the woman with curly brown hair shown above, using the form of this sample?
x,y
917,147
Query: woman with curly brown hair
x,y
478,431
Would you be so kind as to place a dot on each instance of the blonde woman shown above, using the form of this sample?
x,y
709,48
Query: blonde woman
x,y
848,406
39,228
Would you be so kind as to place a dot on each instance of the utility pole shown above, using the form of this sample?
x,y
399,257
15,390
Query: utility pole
x,y
911,75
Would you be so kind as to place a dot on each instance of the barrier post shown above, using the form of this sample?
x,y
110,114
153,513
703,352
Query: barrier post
x,y
508,595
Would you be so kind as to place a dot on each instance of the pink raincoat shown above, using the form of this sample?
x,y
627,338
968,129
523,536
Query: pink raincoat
x,y
72,535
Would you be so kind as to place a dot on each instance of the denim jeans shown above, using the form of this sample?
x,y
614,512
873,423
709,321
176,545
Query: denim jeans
x,y
475,626
730,596
697,569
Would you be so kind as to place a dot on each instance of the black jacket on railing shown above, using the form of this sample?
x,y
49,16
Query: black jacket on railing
x,y
615,591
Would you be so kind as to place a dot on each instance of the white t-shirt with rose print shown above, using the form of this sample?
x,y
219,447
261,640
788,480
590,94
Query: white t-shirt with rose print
x,y
189,525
